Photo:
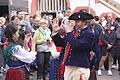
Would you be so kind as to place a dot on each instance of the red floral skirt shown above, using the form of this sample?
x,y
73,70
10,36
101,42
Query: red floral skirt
x,y
17,74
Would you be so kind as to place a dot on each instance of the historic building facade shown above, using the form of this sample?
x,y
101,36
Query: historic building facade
x,y
95,7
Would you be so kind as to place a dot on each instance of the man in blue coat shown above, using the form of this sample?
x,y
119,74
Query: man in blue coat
x,y
76,46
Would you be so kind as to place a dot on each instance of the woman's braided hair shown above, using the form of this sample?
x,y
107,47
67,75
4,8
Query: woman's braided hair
x,y
9,31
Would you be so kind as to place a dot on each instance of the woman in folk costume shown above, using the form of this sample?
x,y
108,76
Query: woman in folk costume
x,y
41,40
15,56
76,46
55,70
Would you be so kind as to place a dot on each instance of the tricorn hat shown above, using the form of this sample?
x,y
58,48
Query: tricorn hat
x,y
81,16
117,19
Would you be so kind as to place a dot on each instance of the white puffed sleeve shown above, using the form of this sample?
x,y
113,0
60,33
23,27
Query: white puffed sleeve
x,y
22,54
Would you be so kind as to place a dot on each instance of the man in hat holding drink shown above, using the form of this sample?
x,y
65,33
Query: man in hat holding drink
x,y
76,45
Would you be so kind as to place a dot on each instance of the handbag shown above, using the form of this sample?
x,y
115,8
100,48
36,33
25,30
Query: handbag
x,y
42,47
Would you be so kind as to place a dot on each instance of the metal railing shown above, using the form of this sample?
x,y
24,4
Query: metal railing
x,y
52,5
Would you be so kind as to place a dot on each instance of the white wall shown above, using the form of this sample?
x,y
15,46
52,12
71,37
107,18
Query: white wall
x,y
98,7
77,3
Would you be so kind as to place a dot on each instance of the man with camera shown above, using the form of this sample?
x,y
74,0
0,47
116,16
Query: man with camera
x,y
76,45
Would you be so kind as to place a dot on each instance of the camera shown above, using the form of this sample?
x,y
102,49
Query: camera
x,y
22,31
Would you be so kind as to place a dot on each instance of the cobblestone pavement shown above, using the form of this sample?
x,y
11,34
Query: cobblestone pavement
x,y
104,76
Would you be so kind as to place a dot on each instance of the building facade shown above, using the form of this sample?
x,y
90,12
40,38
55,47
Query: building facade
x,y
95,7
48,5
6,6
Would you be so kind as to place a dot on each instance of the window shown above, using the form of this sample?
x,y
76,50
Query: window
x,y
51,5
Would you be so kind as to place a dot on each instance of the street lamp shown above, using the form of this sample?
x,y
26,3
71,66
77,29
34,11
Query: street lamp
x,y
9,9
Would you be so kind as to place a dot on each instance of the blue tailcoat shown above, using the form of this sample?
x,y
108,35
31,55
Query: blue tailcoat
x,y
79,54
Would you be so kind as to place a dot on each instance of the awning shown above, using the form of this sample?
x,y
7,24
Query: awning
x,y
4,2
18,8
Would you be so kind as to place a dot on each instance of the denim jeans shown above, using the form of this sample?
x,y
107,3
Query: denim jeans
x,y
42,60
